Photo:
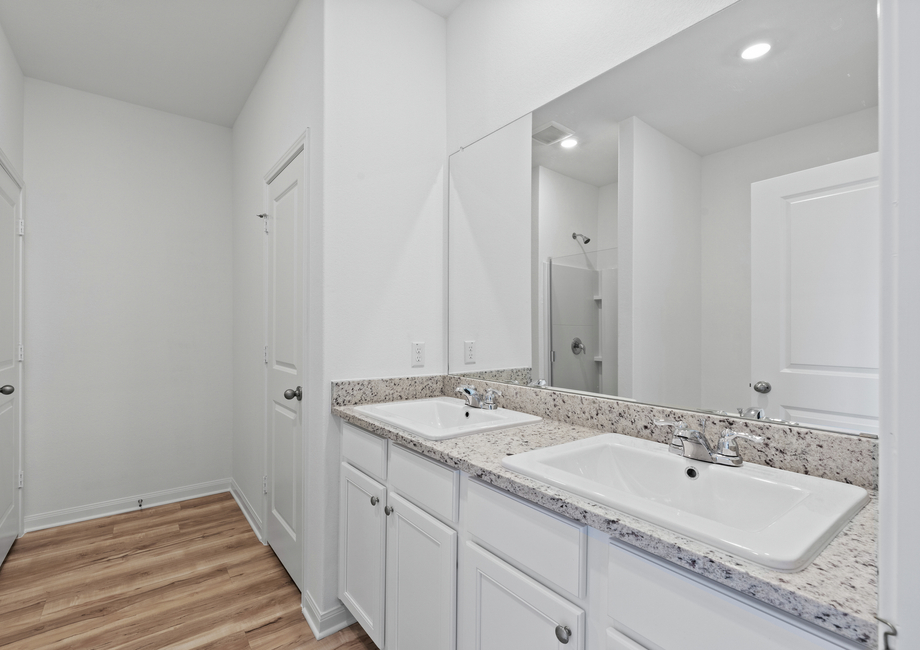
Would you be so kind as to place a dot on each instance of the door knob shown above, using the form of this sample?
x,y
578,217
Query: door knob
x,y
763,387
291,393
7,390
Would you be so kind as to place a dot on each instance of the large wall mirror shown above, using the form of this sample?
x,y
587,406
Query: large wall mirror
x,y
697,227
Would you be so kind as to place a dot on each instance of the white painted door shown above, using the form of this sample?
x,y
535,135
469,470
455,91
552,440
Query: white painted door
x,y
503,608
362,544
10,370
815,288
285,223
421,579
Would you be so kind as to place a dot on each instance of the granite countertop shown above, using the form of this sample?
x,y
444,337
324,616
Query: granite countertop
x,y
837,591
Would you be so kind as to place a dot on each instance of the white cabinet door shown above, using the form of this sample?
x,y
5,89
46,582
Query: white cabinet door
x,y
503,609
362,539
421,580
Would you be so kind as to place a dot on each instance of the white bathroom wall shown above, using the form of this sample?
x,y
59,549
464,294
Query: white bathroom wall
x,y
12,89
899,444
726,240
659,262
128,308
383,230
285,102
566,205
490,251
607,217
507,58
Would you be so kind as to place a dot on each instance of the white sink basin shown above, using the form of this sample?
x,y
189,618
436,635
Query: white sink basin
x,y
439,418
778,519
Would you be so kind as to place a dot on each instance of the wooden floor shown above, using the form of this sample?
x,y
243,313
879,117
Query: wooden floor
x,y
180,576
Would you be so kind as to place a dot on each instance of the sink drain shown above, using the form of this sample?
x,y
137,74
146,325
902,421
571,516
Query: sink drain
x,y
691,472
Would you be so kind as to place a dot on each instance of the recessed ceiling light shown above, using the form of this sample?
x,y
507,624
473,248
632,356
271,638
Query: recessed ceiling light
x,y
568,143
755,51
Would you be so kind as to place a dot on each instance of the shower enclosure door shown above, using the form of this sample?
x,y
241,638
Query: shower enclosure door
x,y
582,306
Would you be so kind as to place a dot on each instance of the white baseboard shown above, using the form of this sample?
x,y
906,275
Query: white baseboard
x,y
127,504
255,522
325,623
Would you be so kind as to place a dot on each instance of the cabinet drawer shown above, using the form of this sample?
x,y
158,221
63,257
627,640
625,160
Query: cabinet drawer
x,y
427,483
365,451
666,609
551,546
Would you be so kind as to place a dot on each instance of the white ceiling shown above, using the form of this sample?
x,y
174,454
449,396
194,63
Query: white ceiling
x,y
441,7
198,58
695,88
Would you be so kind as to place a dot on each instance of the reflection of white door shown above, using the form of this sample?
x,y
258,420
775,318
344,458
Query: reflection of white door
x,y
815,295
10,375
285,372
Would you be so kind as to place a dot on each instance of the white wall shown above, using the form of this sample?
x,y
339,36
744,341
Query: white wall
x,y
507,58
128,300
12,89
607,217
286,100
490,251
726,240
659,278
382,227
566,205
899,522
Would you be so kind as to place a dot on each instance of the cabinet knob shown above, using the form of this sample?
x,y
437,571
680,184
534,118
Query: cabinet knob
x,y
7,390
290,393
388,510
563,633
374,501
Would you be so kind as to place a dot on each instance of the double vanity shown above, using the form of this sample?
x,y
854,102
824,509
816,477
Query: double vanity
x,y
543,519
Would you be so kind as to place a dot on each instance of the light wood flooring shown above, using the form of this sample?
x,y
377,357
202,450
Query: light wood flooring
x,y
180,576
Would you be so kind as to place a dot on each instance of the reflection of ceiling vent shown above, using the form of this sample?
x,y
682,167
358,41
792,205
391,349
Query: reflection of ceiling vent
x,y
551,133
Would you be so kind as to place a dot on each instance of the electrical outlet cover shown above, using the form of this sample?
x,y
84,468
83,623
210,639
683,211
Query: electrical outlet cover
x,y
417,354
469,352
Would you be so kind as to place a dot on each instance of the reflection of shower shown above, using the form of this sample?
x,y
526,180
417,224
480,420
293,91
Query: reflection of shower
x,y
576,235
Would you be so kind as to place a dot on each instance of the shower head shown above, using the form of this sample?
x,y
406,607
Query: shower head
x,y
576,235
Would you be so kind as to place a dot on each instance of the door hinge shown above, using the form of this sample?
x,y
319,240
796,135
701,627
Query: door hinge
x,y
20,480
22,227
264,218
265,354
20,352
265,485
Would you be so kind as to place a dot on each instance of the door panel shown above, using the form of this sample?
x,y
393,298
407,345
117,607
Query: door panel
x,y
362,539
503,608
10,371
421,580
285,269
815,288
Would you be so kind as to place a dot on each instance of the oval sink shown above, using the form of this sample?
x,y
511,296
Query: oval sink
x,y
439,418
778,519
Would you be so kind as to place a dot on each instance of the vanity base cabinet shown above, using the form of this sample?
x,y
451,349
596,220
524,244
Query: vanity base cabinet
x,y
504,609
362,540
421,580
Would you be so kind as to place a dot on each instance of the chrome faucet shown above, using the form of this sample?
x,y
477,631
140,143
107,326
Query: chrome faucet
x,y
470,395
691,443
488,401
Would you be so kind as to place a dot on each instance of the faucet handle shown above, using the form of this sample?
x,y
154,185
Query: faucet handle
x,y
670,423
492,393
728,445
